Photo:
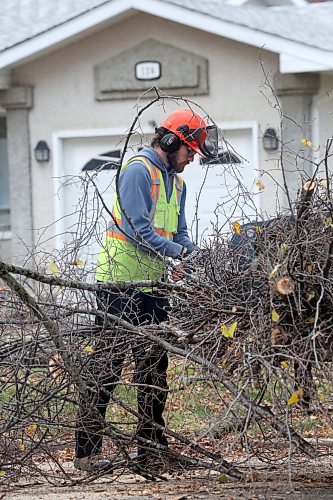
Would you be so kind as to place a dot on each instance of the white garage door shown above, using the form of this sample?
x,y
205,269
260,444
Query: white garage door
x,y
216,193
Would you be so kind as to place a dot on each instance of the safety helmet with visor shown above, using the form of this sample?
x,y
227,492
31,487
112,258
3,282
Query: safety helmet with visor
x,y
193,131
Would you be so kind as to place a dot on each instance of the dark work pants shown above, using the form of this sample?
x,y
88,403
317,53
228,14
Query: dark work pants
x,y
104,368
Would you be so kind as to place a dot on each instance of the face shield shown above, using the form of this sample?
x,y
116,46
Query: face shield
x,y
204,141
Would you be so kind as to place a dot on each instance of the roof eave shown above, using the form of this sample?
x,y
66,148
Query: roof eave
x,y
66,33
292,64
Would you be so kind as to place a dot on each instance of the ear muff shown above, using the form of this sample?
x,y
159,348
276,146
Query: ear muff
x,y
170,143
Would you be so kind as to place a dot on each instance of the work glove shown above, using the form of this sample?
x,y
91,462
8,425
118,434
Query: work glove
x,y
179,272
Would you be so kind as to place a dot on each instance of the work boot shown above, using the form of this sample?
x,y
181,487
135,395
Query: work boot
x,y
92,464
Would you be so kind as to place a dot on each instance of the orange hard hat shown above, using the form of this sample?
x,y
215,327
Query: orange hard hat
x,y
193,130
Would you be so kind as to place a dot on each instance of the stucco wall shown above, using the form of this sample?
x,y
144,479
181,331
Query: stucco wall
x,y
64,91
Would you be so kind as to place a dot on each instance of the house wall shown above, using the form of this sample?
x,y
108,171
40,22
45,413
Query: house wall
x,y
63,86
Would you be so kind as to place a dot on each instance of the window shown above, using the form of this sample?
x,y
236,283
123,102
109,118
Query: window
x,y
4,178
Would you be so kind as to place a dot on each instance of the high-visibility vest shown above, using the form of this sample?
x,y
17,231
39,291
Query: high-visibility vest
x,y
120,259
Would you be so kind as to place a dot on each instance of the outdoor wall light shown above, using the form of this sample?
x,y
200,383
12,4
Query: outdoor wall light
x,y
42,151
270,140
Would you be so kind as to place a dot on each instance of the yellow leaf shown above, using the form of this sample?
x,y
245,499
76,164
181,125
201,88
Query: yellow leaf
x,y
284,364
223,479
2,473
311,295
260,185
310,321
275,316
229,332
322,398
323,183
274,271
53,268
307,143
295,397
31,427
237,227
283,249
21,446
89,349
232,329
328,222
259,230
310,268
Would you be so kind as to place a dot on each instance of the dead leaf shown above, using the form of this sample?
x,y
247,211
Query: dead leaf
x,y
53,268
283,249
31,428
275,316
237,227
260,185
328,222
310,321
78,262
229,332
306,142
89,349
295,397
274,271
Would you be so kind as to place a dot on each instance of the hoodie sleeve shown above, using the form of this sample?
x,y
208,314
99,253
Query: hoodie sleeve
x,y
182,236
135,196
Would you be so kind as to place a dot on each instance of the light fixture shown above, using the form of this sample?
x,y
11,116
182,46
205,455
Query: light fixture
x,y
42,151
270,140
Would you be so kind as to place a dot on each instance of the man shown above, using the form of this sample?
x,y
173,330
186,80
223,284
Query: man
x,y
148,224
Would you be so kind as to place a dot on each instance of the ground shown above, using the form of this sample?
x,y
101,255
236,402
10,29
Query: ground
x,y
309,480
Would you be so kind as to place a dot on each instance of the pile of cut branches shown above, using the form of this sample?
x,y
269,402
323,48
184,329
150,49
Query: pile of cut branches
x,y
263,301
